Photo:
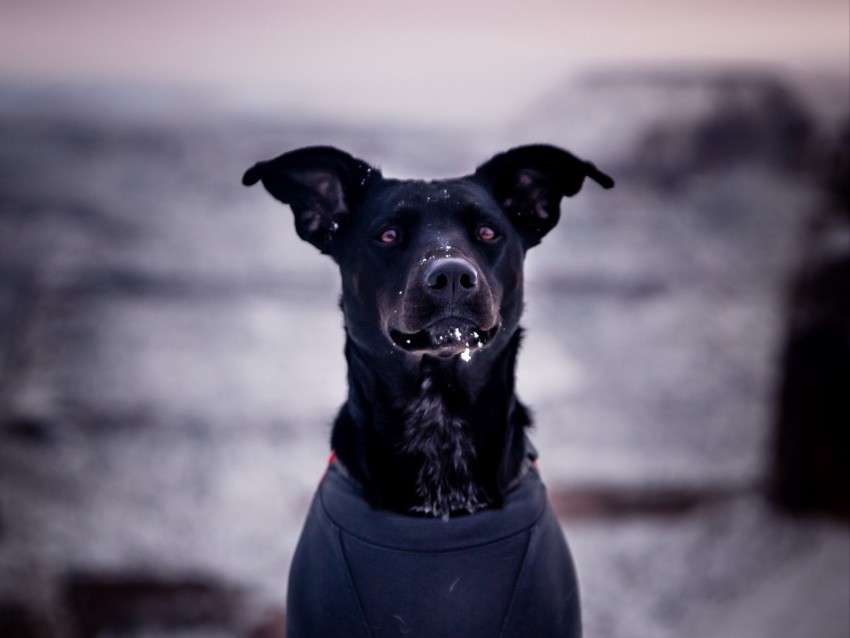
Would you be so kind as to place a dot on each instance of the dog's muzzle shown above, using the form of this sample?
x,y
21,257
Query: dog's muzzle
x,y
451,306
445,338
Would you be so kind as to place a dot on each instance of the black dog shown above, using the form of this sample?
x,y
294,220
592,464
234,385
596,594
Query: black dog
x,y
429,523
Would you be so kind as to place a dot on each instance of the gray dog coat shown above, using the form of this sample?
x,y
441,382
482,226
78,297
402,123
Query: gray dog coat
x,y
361,572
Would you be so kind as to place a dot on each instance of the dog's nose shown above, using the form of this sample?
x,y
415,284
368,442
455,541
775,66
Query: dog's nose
x,y
451,278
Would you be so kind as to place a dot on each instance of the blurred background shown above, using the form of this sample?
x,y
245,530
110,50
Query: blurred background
x,y
171,354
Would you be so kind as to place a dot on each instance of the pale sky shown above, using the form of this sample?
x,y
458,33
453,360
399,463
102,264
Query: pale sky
x,y
425,60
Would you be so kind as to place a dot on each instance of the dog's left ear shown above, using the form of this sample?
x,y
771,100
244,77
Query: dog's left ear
x,y
321,184
528,182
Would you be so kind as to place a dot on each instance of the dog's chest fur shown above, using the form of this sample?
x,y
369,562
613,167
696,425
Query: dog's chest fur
x,y
443,445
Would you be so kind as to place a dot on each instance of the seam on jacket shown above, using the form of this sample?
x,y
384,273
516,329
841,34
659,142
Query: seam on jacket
x,y
532,536
341,549
525,531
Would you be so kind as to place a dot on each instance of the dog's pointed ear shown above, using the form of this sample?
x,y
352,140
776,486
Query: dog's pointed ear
x,y
321,184
528,182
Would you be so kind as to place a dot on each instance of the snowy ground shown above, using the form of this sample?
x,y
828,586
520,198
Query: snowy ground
x,y
171,358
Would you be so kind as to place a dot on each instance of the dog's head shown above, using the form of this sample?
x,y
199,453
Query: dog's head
x,y
427,267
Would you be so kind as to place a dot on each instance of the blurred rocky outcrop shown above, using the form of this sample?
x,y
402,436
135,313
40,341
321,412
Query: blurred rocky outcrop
x,y
811,460
666,127
748,120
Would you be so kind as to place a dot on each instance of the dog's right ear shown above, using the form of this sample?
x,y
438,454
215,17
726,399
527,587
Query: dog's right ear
x,y
321,184
529,182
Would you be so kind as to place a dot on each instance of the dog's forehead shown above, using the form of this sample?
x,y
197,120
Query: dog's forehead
x,y
396,196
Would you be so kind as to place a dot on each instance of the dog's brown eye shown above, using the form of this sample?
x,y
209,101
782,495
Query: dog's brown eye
x,y
486,233
390,236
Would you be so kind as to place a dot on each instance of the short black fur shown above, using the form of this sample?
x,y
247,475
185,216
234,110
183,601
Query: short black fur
x,y
432,295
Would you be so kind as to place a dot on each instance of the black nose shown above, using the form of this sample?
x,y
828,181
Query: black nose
x,y
451,278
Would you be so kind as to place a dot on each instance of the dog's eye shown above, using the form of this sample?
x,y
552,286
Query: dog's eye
x,y
389,236
486,233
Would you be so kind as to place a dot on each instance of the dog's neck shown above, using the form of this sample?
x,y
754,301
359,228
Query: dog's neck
x,y
429,435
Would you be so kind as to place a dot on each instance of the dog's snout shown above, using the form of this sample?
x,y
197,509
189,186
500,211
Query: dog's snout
x,y
451,278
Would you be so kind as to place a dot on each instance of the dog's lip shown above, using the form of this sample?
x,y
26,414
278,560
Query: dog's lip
x,y
445,338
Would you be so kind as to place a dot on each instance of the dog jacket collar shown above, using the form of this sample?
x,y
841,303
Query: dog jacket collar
x,y
368,573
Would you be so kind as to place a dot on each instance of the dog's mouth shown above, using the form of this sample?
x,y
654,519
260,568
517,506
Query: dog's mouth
x,y
446,338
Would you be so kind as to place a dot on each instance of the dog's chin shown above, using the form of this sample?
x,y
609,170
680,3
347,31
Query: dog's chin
x,y
445,339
